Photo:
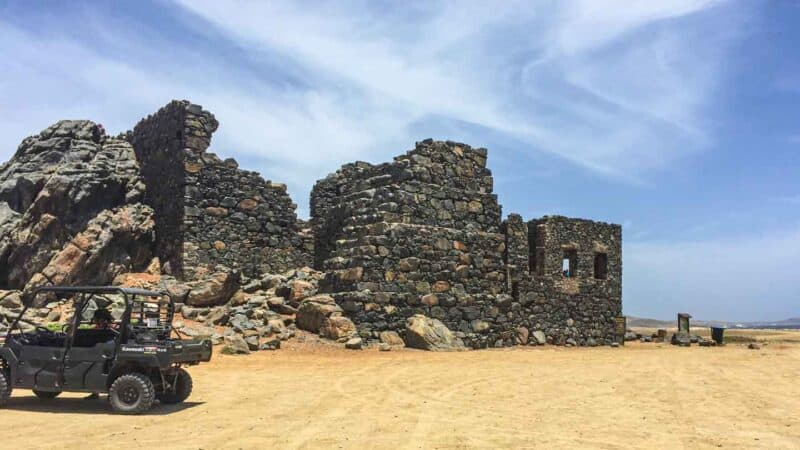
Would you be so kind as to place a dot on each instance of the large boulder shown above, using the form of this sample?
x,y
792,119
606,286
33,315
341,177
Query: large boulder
x,y
336,327
53,188
314,311
427,333
214,290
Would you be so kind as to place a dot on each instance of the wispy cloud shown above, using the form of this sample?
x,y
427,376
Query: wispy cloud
x,y
303,87
618,90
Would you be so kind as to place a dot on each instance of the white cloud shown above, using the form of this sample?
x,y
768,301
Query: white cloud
x,y
717,279
620,91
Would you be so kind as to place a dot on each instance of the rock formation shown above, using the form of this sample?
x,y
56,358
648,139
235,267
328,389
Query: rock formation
x,y
69,208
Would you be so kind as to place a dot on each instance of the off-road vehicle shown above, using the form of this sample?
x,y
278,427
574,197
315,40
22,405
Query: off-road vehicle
x,y
135,359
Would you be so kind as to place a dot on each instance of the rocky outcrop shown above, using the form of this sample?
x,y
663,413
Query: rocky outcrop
x,y
114,242
55,187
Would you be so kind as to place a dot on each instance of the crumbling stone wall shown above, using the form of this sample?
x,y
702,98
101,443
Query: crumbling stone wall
x,y
423,235
209,212
579,308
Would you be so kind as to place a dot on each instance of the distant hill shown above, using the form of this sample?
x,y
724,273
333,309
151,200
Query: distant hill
x,y
791,323
650,323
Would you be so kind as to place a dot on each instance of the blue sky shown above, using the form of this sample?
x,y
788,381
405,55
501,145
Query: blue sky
x,y
676,119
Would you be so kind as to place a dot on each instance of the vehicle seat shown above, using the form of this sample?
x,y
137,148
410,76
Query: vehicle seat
x,y
86,338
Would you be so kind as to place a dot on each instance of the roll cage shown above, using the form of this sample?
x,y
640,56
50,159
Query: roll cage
x,y
136,301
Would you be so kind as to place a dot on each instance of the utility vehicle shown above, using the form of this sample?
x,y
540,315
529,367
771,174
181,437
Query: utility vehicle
x,y
134,359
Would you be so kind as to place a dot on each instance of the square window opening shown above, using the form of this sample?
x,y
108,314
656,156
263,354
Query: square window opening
x,y
601,266
569,263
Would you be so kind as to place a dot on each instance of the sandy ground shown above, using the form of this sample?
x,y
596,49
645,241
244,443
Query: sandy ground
x,y
311,396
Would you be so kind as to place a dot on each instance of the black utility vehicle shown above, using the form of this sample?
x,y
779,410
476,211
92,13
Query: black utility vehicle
x,y
134,359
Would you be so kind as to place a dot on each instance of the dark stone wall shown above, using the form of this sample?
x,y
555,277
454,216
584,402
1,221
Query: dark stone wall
x,y
578,307
209,212
423,235
159,142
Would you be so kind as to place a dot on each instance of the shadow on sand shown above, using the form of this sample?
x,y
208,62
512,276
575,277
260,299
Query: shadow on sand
x,y
82,406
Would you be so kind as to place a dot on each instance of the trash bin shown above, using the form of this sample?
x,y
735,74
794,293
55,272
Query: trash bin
x,y
717,334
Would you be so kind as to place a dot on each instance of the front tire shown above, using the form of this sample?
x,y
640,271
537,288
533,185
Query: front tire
x,y
132,393
46,395
182,391
5,389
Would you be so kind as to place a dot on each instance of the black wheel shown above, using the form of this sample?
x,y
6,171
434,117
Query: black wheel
x,y
5,390
132,393
46,395
183,387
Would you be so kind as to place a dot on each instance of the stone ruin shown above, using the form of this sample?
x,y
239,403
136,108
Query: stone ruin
x,y
211,213
424,235
421,235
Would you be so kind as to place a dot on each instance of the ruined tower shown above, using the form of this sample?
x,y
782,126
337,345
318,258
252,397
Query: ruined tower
x,y
423,234
209,211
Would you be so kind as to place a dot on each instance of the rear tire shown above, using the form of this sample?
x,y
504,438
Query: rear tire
x,y
46,395
183,389
132,393
5,389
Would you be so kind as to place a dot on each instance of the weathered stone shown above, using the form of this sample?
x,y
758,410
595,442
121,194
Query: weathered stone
x,y
440,286
235,345
430,334
429,300
215,290
336,327
313,311
352,274
270,344
479,326
522,335
301,289
218,316
354,343
539,337
252,343
392,338
11,299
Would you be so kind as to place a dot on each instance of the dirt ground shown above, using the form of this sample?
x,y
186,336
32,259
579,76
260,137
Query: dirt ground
x,y
313,396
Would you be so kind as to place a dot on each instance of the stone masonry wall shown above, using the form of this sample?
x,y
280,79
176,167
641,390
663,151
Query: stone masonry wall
x,y
224,216
423,234
578,309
